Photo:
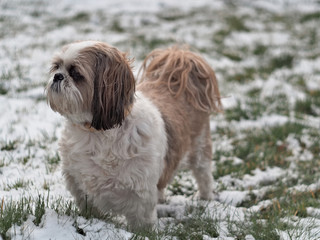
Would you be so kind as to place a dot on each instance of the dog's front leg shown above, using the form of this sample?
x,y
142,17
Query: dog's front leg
x,y
143,213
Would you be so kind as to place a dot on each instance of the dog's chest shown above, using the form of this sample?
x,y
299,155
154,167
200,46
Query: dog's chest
x,y
91,160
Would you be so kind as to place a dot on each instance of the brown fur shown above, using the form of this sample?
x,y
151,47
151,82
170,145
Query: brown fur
x,y
184,88
183,72
114,89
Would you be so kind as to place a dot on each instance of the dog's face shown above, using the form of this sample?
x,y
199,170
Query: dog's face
x,y
91,82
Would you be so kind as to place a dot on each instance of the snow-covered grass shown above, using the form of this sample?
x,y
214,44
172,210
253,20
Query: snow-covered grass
x,y
266,159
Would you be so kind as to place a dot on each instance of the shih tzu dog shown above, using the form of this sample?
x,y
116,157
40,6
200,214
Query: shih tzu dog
x,y
121,146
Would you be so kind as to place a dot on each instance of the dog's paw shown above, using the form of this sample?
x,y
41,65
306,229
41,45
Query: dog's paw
x,y
209,196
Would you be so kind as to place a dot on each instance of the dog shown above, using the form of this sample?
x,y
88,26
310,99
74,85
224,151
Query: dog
x,y
123,143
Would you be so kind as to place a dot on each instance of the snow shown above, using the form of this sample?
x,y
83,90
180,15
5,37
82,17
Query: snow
x,y
262,177
233,198
243,39
264,121
55,227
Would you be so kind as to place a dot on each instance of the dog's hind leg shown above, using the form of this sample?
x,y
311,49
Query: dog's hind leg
x,y
201,165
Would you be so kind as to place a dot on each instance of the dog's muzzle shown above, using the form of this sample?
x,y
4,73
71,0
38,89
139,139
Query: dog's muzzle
x,y
56,84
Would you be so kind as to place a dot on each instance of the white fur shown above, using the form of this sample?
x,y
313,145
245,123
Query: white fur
x,y
73,50
118,169
71,94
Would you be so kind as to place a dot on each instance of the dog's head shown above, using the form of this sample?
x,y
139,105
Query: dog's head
x,y
91,82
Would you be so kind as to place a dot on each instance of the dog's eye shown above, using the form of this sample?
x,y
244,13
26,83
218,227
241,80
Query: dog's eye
x,y
75,74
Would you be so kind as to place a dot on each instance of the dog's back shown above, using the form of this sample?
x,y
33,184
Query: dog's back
x,y
184,88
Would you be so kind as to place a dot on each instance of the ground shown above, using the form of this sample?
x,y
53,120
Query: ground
x,y
266,144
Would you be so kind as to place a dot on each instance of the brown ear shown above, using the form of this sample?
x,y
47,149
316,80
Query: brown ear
x,y
114,87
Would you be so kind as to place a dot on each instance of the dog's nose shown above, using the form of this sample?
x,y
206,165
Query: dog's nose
x,y
58,77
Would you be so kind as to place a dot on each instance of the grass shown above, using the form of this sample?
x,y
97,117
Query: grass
x,y
172,14
3,89
77,18
258,149
283,61
256,228
13,213
16,212
269,220
255,107
194,225
116,26
284,205
18,184
52,162
310,105
149,43
9,145
305,107
185,189
310,16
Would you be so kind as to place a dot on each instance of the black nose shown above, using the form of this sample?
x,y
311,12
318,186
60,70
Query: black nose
x,y
58,77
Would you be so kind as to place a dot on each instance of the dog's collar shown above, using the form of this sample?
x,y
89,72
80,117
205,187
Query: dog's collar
x,y
86,126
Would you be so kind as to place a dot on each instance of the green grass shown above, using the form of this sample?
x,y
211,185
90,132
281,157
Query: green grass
x,y
194,225
236,23
315,16
254,107
255,227
116,26
260,49
78,18
9,145
310,105
3,89
219,36
282,61
182,185
286,203
172,14
259,148
284,206
17,212
13,213
20,183
149,43
305,107
52,162
243,75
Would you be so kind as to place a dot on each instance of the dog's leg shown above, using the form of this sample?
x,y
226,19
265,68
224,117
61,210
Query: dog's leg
x,y
161,196
143,212
143,220
83,201
201,166
203,175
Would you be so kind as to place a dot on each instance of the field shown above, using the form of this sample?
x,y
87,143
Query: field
x,y
266,55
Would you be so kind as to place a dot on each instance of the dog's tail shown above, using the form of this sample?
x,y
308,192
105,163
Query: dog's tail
x,y
184,72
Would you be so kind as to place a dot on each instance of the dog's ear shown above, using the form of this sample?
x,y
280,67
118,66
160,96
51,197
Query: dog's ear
x,y
114,87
